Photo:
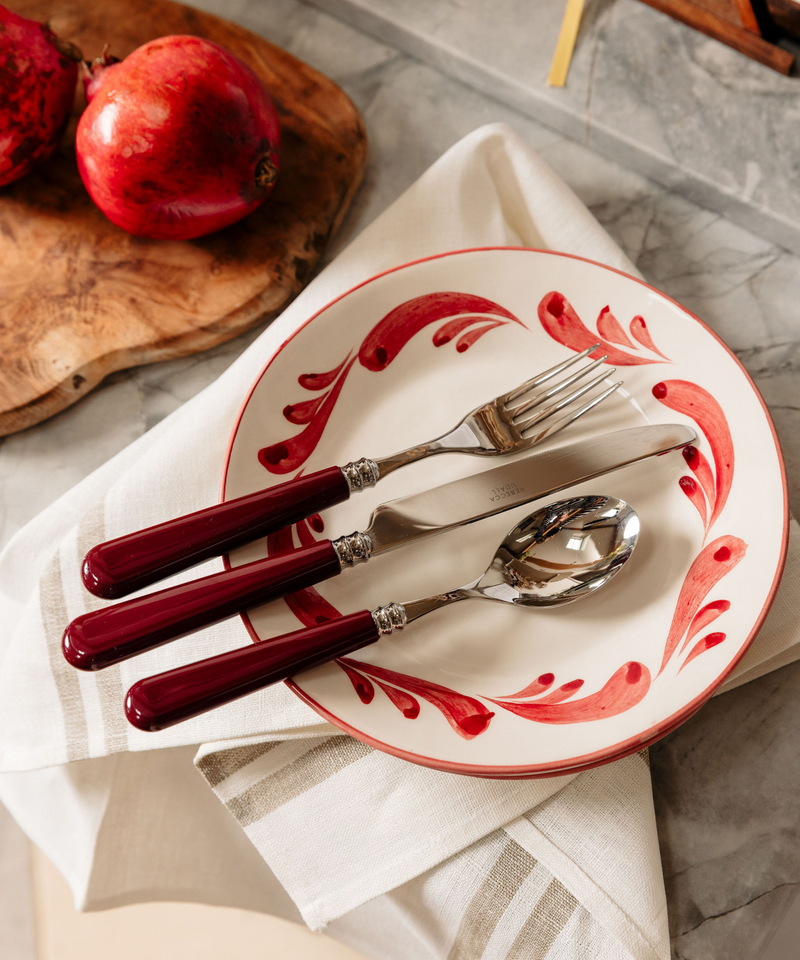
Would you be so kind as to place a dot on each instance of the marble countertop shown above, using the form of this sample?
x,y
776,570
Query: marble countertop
x,y
665,100
726,782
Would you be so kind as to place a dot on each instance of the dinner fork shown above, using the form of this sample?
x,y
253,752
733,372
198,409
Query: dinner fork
x,y
507,424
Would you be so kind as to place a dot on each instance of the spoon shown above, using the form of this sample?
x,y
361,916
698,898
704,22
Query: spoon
x,y
563,552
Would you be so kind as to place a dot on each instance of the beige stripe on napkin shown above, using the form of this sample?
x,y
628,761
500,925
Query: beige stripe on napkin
x,y
494,900
491,901
53,609
311,769
218,767
110,687
547,920
490,904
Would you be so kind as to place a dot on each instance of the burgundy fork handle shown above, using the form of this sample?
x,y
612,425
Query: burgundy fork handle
x,y
118,567
168,698
103,637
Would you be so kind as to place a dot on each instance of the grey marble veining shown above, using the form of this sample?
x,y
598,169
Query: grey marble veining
x,y
643,89
730,859
730,831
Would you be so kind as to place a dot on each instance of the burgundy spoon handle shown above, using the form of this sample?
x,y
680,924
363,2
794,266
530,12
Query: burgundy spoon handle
x,y
102,637
118,567
168,698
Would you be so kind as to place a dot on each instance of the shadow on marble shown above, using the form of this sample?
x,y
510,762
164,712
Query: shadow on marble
x,y
783,943
725,788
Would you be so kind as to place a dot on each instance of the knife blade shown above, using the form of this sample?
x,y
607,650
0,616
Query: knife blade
x,y
538,475
103,637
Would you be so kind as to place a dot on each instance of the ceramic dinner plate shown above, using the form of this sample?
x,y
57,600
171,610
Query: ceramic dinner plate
x,y
496,690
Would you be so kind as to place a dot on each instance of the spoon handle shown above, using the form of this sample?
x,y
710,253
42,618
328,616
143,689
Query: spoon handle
x,y
118,567
167,698
114,633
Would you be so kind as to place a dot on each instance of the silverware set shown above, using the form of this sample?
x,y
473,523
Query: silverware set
x,y
602,532
508,424
559,554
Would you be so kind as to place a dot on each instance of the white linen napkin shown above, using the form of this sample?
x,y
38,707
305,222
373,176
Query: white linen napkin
x,y
399,860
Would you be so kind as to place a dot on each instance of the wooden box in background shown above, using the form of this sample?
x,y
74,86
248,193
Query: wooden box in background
x,y
746,25
786,13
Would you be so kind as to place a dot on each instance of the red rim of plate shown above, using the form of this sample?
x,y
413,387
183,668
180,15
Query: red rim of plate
x,y
598,757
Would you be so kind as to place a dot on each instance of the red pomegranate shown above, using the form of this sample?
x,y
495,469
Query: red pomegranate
x,y
38,72
178,139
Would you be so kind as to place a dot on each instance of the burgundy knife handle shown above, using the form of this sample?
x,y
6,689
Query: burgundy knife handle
x,y
168,698
103,637
118,567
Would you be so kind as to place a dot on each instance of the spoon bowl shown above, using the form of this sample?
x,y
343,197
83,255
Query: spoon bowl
x,y
565,551
562,552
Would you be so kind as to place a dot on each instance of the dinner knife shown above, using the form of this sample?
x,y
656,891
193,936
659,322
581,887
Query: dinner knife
x,y
103,637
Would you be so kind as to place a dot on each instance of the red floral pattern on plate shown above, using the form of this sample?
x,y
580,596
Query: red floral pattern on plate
x,y
709,641
706,615
468,716
610,329
378,349
559,319
695,402
640,332
707,491
713,562
624,690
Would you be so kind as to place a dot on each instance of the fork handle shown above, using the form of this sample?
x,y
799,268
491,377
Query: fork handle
x,y
103,637
168,698
118,567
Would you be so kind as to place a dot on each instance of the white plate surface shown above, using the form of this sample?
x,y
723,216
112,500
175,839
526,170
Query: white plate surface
x,y
453,691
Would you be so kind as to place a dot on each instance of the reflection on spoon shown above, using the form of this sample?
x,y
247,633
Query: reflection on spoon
x,y
559,554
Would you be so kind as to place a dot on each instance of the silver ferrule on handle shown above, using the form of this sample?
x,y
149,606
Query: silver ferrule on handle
x,y
360,474
353,549
390,618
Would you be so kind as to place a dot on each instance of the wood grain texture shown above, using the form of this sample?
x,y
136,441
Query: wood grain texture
x,y
79,298
738,12
697,14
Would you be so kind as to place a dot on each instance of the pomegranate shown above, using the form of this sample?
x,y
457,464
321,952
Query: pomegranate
x,y
38,72
178,139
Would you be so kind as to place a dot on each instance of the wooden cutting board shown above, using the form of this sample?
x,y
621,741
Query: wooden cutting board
x,y
79,298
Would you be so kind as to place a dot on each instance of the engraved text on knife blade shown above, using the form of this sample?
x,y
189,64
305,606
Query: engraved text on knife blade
x,y
521,481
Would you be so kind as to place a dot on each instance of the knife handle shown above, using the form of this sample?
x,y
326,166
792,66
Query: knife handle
x,y
118,567
168,698
103,637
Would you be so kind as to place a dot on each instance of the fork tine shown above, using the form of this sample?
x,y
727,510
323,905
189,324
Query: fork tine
x,y
545,376
563,402
539,398
557,425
